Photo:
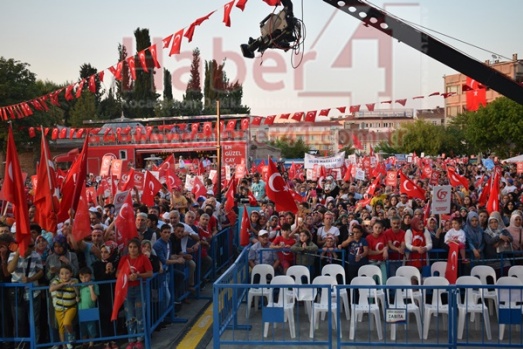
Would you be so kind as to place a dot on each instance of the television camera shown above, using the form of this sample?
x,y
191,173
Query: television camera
x,y
278,31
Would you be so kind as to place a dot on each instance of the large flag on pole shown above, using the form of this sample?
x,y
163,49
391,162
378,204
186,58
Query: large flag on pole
x,y
47,193
72,188
278,191
14,192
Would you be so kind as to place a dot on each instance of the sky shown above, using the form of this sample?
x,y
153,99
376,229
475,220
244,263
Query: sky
x,y
339,68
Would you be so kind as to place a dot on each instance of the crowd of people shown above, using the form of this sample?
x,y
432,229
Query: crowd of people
x,y
331,225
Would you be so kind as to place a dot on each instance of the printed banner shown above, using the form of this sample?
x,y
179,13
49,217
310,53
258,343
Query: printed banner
x,y
441,196
335,161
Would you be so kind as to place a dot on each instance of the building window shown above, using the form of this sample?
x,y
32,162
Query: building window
x,y
452,88
123,154
452,111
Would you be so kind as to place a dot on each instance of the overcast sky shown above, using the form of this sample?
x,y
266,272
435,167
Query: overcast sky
x,y
56,37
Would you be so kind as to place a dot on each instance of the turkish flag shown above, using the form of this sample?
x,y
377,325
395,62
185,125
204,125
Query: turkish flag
x,y
151,187
347,176
154,55
324,112
71,187
483,198
269,120
46,193
296,196
198,188
372,188
273,2
356,142
177,43
171,179
426,213
13,190
278,192
231,125
252,199
143,60
80,88
63,133
82,222
92,84
245,124
167,163
426,171
256,121
117,72
229,196
245,226
342,109
410,188
311,116
455,179
298,116
69,93
451,273
493,199
292,171
380,169
132,67
354,108
476,95
125,222
260,167
194,127
370,106
207,129
227,8
121,287
285,116
126,182
401,101
241,4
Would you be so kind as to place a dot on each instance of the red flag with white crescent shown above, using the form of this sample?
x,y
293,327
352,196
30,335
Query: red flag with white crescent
x,y
229,196
13,191
278,192
455,179
245,226
410,188
451,273
121,287
151,187
198,188
493,199
125,222
82,223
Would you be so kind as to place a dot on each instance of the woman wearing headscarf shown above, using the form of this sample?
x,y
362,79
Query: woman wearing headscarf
x,y
474,235
516,231
497,239
60,255
343,225
418,242
105,270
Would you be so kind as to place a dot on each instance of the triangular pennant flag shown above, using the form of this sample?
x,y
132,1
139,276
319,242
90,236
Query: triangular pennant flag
x,y
241,4
370,106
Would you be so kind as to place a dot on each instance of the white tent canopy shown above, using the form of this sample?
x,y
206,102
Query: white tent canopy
x,y
518,158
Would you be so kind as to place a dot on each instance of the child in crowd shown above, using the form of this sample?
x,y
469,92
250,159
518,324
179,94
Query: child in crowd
x,y
305,250
285,241
457,235
328,255
88,295
65,297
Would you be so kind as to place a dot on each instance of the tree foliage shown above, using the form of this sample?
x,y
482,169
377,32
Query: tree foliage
x,y
192,99
85,108
291,149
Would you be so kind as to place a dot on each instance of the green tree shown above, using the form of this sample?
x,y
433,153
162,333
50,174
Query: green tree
x,y
421,136
291,149
192,99
110,107
84,109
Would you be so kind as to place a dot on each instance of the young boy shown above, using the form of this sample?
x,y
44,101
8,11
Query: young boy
x,y
285,241
457,235
88,295
65,297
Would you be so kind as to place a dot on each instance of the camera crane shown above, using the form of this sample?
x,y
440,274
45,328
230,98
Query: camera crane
x,y
282,31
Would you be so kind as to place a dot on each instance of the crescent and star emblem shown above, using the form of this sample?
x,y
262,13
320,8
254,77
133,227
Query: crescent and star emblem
x,y
271,182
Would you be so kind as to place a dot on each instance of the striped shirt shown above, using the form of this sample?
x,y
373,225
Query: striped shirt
x,y
65,297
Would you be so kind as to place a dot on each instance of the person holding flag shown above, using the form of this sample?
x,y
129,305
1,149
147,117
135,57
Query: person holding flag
x,y
133,268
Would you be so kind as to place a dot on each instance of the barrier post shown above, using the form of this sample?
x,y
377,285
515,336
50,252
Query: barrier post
x,y
145,312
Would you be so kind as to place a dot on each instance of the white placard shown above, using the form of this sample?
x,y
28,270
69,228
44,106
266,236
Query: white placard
x,y
335,161
441,196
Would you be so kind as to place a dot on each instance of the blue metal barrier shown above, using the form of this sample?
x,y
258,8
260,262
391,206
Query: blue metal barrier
x,y
232,327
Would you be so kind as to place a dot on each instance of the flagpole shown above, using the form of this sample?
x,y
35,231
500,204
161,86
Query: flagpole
x,y
47,168
218,152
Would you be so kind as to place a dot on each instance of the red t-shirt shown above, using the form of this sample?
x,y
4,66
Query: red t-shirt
x,y
204,235
140,264
376,244
288,256
397,239
213,223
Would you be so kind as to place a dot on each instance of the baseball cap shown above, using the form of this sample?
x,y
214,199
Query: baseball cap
x,y
263,232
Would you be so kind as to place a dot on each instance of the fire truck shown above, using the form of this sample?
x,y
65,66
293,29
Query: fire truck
x,y
142,142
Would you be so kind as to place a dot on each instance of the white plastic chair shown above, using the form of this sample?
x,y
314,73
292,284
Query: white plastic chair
x,y
436,305
285,301
413,274
484,272
516,271
403,299
469,304
336,270
322,305
263,271
366,292
509,298
438,269
374,272
301,276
